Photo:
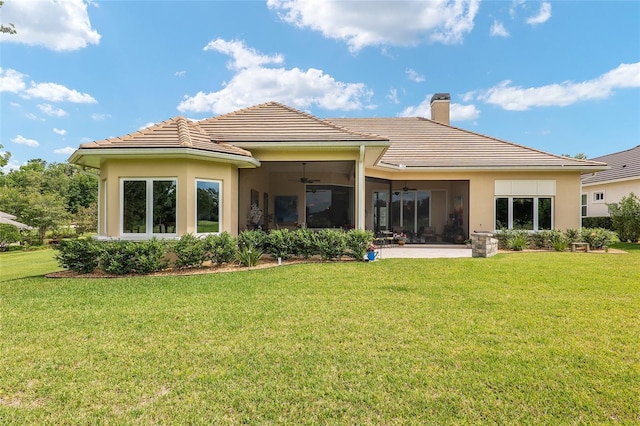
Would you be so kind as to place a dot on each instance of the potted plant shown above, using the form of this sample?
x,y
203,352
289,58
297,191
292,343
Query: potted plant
x,y
400,238
255,216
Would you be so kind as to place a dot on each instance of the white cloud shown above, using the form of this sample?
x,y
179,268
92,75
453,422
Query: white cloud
x,y
57,93
50,110
253,84
21,140
414,76
11,81
67,150
457,112
56,25
100,117
498,30
180,73
144,126
516,98
375,23
243,56
544,14
393,96
11,165
14,81
60,132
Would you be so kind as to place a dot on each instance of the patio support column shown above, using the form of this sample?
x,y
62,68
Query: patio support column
x,y
360,195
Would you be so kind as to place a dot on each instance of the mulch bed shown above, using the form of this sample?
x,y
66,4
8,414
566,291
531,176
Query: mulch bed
x,y
265,262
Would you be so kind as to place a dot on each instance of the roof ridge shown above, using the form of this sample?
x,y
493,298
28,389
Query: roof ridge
x,y
324,122
184,135
619,152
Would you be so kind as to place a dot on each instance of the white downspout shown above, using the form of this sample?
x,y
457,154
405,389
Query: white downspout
x,y
360,187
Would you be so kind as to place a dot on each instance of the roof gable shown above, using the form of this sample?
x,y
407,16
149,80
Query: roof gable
x,y
422,143
624,165
275,122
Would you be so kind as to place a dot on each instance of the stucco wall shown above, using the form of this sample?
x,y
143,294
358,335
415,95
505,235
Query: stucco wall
x,y
613,192
186,172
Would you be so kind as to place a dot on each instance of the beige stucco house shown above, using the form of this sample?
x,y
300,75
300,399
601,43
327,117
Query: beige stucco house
x,y
609,186
426,178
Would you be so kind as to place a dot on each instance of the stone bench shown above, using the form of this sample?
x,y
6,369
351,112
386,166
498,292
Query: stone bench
x,y
575,245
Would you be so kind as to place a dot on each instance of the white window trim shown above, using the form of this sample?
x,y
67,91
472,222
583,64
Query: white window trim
x,y
220,217
149,206
595,200
535,210
586,205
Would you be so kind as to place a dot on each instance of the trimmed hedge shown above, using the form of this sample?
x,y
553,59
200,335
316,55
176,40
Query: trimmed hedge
x,y
605,222
143,257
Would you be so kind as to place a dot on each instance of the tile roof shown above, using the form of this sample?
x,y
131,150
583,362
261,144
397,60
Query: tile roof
x,y
177,132
423,143
275,122
623,165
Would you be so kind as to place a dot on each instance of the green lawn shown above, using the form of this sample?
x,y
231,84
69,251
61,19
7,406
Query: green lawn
x,y
542,338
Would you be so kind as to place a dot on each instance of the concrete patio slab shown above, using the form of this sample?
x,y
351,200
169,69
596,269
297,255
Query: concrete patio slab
x,y
424,251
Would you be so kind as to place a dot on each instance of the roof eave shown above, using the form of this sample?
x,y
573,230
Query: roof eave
x,y
92,157
507,168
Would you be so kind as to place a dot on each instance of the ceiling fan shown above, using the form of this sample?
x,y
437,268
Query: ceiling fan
x,y
405,188
304,178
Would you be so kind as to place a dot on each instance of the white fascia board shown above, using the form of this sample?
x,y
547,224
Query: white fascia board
x,y
405,168
157,153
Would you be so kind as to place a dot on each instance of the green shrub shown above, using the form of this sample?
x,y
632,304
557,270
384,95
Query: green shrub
x,y
357,242
559,241
304,243
126,257
573,235
81,255
249,255
331,244
625,217
253,238
598,222
221,248
8,234
541,239
189,251
503,235
518,241
597,238
280,243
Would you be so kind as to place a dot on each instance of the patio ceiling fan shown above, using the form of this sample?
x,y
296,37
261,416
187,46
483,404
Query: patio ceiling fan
x,y
405,188
304,178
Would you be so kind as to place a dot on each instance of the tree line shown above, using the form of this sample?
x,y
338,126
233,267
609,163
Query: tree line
x,y
48,196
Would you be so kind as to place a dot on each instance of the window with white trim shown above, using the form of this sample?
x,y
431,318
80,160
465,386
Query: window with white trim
x,y
583,205
529,213
148,206
598,196
208,206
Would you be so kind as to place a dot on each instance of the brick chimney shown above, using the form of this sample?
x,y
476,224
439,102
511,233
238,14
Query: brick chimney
x,y
440,107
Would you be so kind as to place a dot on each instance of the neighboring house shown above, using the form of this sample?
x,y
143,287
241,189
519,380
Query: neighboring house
x,y
423,177
11,220
609,186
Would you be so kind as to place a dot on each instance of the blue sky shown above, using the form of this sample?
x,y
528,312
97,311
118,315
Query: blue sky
x,y
563,77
